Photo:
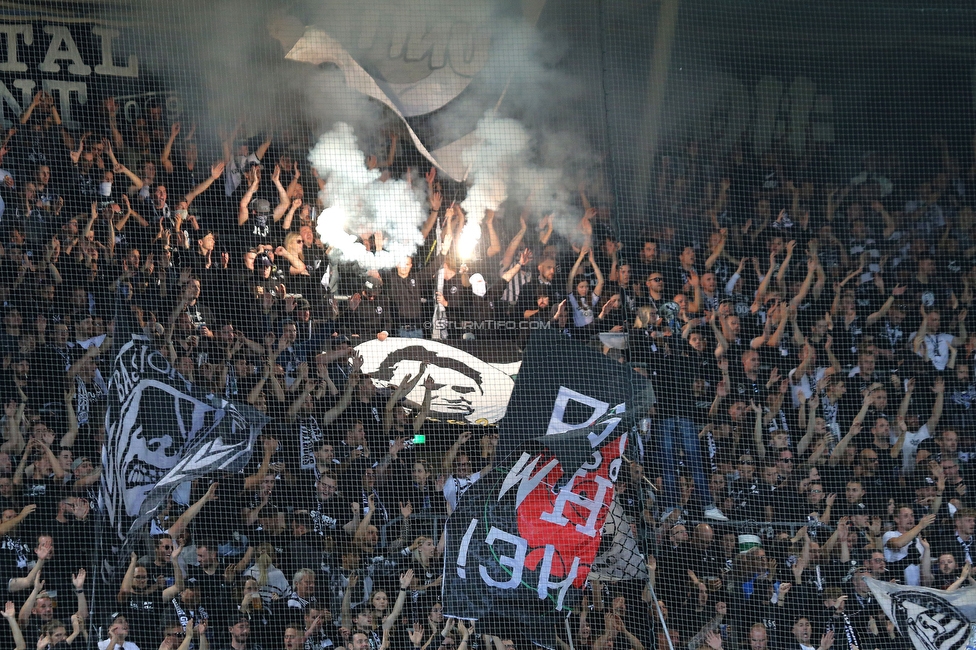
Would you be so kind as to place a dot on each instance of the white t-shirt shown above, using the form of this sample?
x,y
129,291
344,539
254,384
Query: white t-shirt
x,y
912,441
802,386
233,172
935,348
128,645
912,571
454,487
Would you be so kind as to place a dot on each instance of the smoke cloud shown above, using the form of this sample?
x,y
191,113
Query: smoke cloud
x,y
227,59
360,205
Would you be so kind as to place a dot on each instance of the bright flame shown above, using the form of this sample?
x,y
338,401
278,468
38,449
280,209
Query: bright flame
x,y
468,241
360,203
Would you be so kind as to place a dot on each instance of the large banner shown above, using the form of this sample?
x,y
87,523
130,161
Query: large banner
x,y
467,387
430,67
931,618
563,385
523,539
78,60
162,432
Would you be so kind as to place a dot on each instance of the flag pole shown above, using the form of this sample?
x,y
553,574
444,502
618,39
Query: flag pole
x,y
569,633
664,626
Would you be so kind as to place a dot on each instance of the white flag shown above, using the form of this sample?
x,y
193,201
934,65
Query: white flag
x,y
932,619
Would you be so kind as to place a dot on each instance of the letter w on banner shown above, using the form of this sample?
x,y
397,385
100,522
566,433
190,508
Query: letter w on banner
x,y
932,619
524,538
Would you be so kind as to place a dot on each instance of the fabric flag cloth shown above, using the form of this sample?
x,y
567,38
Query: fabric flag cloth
x,y
931,618
161,433
455,89
523,539
562,385
466,387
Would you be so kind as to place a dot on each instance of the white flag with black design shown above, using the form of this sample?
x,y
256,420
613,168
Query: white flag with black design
x,y
931,618
162,432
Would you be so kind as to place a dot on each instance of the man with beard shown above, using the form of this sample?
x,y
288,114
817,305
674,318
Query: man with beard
x,y
205,588
541,285
330,512
240,636
146,601
803,633
948,576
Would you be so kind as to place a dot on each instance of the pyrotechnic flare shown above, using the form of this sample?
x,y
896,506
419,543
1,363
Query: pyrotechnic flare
x,y
360,205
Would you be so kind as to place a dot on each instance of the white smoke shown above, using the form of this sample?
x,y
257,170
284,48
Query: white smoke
x,y
359,204
502,166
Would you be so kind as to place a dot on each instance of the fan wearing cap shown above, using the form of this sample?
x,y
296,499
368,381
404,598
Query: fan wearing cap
x,y
255,215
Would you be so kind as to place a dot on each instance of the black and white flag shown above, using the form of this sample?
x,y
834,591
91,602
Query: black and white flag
x,y
524,538
563,385
162,432
438,69
931,618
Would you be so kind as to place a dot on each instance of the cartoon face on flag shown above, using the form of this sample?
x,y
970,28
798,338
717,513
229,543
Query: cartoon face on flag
x,y
522,541
161,433
465,387
931,618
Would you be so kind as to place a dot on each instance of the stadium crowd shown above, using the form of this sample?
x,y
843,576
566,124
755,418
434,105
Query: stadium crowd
x,y
807,342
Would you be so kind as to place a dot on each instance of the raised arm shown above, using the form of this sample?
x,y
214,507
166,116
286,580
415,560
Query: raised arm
x,y
807,438
575,270
719,249
513,245
757,431
907,538
939,389
184,520
876,316
9,613
394,614
764,285
514,269
494,245
346,398
801,295
125,589
119,168
167,164
599,276
215,171
447,464
781,276
263,147
841,448
283,201
242,209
